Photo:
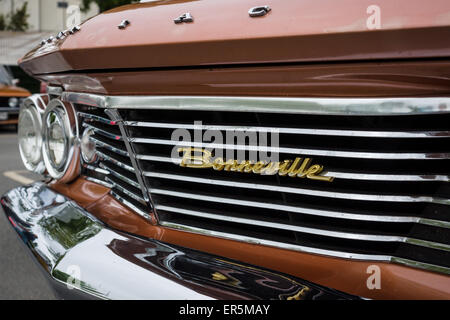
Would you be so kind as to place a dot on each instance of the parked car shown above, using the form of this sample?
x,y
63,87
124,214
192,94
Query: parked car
x,y
218,149
11,97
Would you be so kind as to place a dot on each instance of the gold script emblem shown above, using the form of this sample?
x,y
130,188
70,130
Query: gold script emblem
x,y
300,167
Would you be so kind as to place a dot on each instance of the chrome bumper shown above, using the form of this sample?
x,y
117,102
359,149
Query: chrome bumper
x,y
85,258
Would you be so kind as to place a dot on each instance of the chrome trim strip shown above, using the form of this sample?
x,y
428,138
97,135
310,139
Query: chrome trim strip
x,y
315,231
435,223
386,177
103,183
54,91
96,169
115,116
339,254
329,106
297,151
119,176
336,174
306,131
125,191
157,158
130,205
116,162
302,210
109,147
95,117
420,265
300,191
103,132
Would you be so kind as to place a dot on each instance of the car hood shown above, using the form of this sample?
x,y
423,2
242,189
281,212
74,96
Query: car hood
x,y
13,91
223,33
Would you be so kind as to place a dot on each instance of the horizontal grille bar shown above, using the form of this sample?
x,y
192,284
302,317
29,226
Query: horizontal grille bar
x,y
109,147
103,183
340,254
324,132
120,176
96,118
96,169
130,205
300,210
115,161
103,132
337,174
125,191
302,191
321,232
298,151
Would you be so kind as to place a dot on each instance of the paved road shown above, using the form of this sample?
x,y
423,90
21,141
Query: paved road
x,y
20,277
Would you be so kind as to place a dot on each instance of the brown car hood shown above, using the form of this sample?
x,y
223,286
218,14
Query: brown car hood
x,y
223,34
13,91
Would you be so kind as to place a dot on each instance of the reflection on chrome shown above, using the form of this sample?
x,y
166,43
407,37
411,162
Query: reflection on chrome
x,y
61,235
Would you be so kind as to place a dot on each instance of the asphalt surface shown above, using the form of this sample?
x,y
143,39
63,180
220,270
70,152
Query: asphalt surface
x,y
20,277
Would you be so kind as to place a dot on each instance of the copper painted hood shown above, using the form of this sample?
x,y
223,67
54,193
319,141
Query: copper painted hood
x,y
223,34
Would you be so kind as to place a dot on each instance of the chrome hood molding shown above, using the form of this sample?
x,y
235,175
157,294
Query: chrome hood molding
x,y
327,106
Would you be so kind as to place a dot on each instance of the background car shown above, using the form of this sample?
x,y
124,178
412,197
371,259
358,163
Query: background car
x,y
11,97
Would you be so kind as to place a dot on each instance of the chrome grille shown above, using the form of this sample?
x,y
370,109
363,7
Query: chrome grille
x,y
389,200
114,168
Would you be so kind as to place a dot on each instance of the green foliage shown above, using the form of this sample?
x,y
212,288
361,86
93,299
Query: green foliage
x,y
104,5
18,20
2,22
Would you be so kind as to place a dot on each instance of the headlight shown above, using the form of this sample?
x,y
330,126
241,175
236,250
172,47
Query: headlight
x,y
13,102
30,137
60,147
88,146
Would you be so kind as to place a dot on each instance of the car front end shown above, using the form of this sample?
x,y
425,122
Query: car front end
x,y
221,146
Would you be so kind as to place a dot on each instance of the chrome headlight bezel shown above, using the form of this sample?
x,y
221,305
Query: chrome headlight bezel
x,y
69,167
84,143
13,102
32,108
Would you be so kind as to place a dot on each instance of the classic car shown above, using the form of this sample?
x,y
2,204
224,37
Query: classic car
x,y
242,149
11,97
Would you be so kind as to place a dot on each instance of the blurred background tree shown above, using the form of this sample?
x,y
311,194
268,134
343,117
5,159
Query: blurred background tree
x,y
2,22
17,20
104,5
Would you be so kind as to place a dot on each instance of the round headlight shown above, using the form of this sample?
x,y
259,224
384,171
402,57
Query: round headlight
x,y
30,137
88,146
57,140
60,148
13,102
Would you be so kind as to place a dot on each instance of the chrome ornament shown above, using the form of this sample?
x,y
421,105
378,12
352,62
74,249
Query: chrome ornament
x,y
259,11
125,23
74,29
61,35
186,17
